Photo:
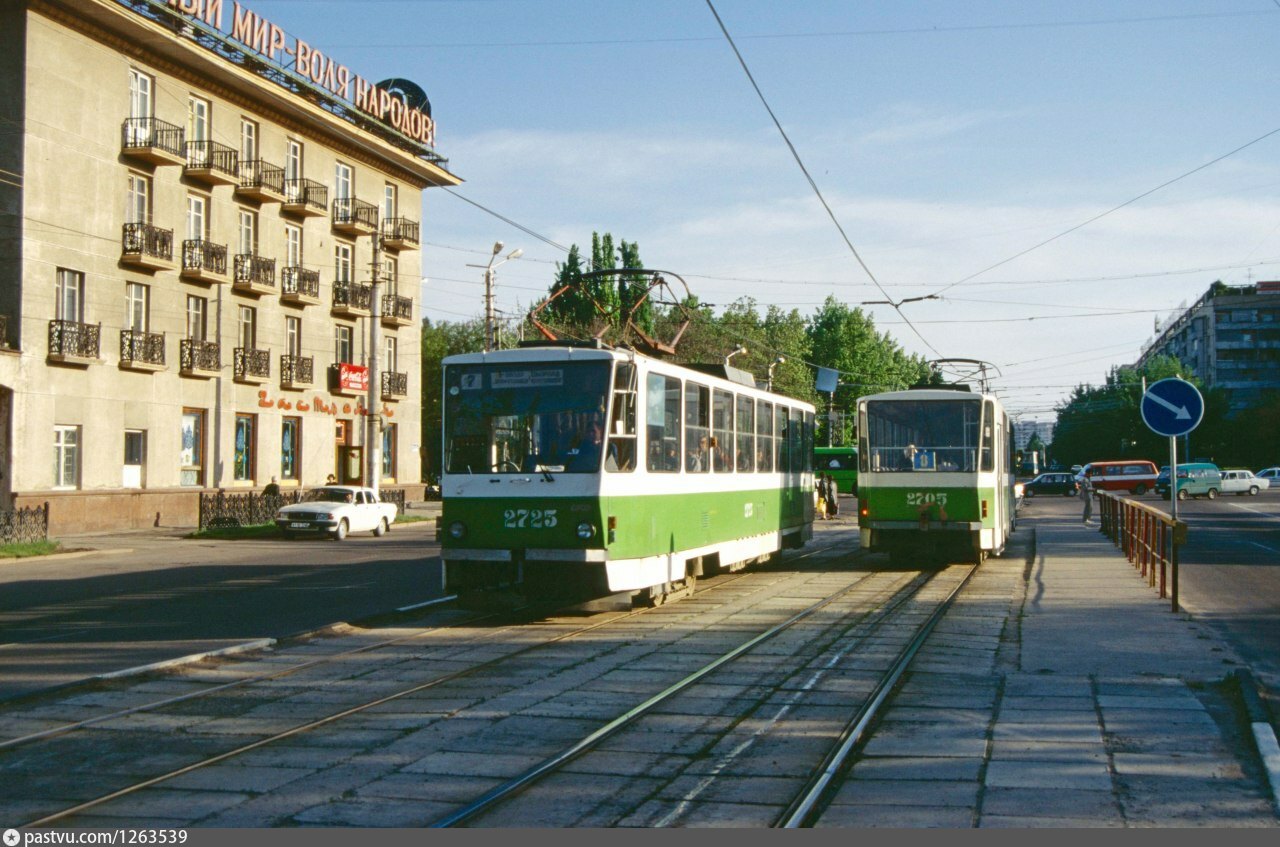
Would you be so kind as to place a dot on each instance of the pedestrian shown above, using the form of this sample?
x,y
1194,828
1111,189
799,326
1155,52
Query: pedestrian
x,y
272,489
330,480
833,497
1086,494
819,501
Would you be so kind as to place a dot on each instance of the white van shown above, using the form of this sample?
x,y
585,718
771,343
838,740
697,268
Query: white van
x,y
1242,482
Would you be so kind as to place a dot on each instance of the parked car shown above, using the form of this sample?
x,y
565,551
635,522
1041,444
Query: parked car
x,y
1195,479
1241,482
1051,483
1271,475
1136,476
337,510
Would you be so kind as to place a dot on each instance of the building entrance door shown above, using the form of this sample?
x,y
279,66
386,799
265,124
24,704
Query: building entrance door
x,y
348,458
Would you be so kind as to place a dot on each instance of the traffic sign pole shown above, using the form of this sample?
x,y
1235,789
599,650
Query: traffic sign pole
x,y
1173,477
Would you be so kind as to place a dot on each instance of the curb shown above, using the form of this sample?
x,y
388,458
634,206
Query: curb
x,y
248,646
1264,736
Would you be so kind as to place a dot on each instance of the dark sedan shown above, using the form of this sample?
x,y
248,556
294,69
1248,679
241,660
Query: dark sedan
x,y
1051,483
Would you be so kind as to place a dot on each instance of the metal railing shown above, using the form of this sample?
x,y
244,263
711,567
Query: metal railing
x,y
220,509
350,211
248,362
25,525
353,295
1149,538
296,370
72,338
296,279
395,384
395,306
258,173
300,191
201,255
400,229
147,240
252,269
139,346
210,155
137,133
197,355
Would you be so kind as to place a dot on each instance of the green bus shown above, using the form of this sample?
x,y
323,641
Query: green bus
x,y
841,463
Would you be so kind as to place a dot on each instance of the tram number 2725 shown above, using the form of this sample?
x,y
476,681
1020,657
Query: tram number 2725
x,y
532,518
921,498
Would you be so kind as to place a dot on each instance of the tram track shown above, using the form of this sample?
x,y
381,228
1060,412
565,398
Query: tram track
x,y
439,680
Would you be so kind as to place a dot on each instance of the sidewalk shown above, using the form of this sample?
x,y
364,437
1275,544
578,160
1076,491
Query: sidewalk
x,y
1062,692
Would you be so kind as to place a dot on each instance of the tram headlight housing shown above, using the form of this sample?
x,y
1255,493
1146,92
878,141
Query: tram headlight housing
x,y
457,530
586,530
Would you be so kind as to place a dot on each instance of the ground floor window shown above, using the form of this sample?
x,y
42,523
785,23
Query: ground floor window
x,y
389,451
135,457
243,469
66,456
192,455
290,449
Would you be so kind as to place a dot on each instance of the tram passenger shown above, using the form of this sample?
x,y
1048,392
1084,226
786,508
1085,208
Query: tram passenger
x,y
586,455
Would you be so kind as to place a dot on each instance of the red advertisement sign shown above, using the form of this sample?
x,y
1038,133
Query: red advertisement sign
x,y
353,377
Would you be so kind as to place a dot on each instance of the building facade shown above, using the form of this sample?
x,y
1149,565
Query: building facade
x,y
209,261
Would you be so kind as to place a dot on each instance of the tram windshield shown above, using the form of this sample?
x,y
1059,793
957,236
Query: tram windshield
x,y
923,435
546,417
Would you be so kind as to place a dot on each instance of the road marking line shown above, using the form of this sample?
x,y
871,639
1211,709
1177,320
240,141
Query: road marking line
x,y
1263,546
427,603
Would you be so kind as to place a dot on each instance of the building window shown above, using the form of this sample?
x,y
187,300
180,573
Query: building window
x,y
245,453
292,336
191,458
292,246
137,298
391,274
66,456
390,200
248,233
290,448
197,217
135,458
342,347
247,327
141,104
197,309
138,202
248,140
391,355
293,160
341,262
69,296
197,119
389,451
342,181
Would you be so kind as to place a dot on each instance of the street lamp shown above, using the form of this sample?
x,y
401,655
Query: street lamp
x,y
778,361
736,351
489,276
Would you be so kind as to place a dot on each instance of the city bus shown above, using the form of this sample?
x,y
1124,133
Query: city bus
x,y
841,463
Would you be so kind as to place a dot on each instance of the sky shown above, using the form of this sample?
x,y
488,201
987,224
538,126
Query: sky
x,y
1059,175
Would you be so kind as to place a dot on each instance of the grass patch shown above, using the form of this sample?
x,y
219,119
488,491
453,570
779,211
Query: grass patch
x,y
412,518
238,533
23,549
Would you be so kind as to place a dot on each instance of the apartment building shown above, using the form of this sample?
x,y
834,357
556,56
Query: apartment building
x,y
209,261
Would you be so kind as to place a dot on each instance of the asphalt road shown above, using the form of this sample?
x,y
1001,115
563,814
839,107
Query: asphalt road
x,y
147,597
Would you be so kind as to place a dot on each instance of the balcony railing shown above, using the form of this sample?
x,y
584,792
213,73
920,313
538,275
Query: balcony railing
x,y
399,233
300,285
305,196
355,216
397,310
141,350
395,384
152,140
203,259
213,162
199,357
250,365
72,341
255,273
352,297
261,180
296,371
147,246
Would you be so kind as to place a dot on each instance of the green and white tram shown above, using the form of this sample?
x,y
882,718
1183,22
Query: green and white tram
x,y
935,474
606,468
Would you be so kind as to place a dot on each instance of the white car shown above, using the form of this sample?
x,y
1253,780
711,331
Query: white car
x,y
337,510
1241,482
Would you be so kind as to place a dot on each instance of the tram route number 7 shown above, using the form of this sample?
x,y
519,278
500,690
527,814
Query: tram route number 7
x,y
530,518
921,498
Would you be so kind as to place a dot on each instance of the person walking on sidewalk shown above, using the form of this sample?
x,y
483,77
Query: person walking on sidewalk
x,y
1086,494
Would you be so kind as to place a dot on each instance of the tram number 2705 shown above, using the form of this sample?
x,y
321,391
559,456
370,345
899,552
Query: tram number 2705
x,y
531,518
921,498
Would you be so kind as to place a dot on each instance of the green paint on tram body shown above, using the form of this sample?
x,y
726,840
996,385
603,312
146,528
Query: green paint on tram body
x,y
945,503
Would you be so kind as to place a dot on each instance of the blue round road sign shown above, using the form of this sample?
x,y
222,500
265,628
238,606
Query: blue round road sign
x,y
1172,407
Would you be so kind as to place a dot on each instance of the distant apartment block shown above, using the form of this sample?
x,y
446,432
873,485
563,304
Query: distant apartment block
x,y
1024,430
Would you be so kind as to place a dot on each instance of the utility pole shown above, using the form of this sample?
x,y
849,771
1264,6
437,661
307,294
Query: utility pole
x,y
490,271
373,420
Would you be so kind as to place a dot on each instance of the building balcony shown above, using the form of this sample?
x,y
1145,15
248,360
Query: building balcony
x,y
204,261
74,343
148,247
254,275
153,141
347,379
305,197
300,286
395,386
354,217
352,299
141,351
261,181
199,359
400,234
212,163
252,366
296,372
396,310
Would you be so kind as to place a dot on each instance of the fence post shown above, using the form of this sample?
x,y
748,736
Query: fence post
x,y
46,520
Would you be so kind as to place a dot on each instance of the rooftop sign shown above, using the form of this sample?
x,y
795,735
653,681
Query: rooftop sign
x,y
260,35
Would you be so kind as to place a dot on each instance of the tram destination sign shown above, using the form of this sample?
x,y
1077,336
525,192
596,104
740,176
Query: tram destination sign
x,y
1172,407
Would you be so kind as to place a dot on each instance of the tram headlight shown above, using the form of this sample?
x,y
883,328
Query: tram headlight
x,y
586,531
457,530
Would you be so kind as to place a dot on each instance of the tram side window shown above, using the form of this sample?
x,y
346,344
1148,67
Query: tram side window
x,y
863,452
764,436
807,451
662,423
746,434
622,427
722,430
988,435
795,440
780,439
697,428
